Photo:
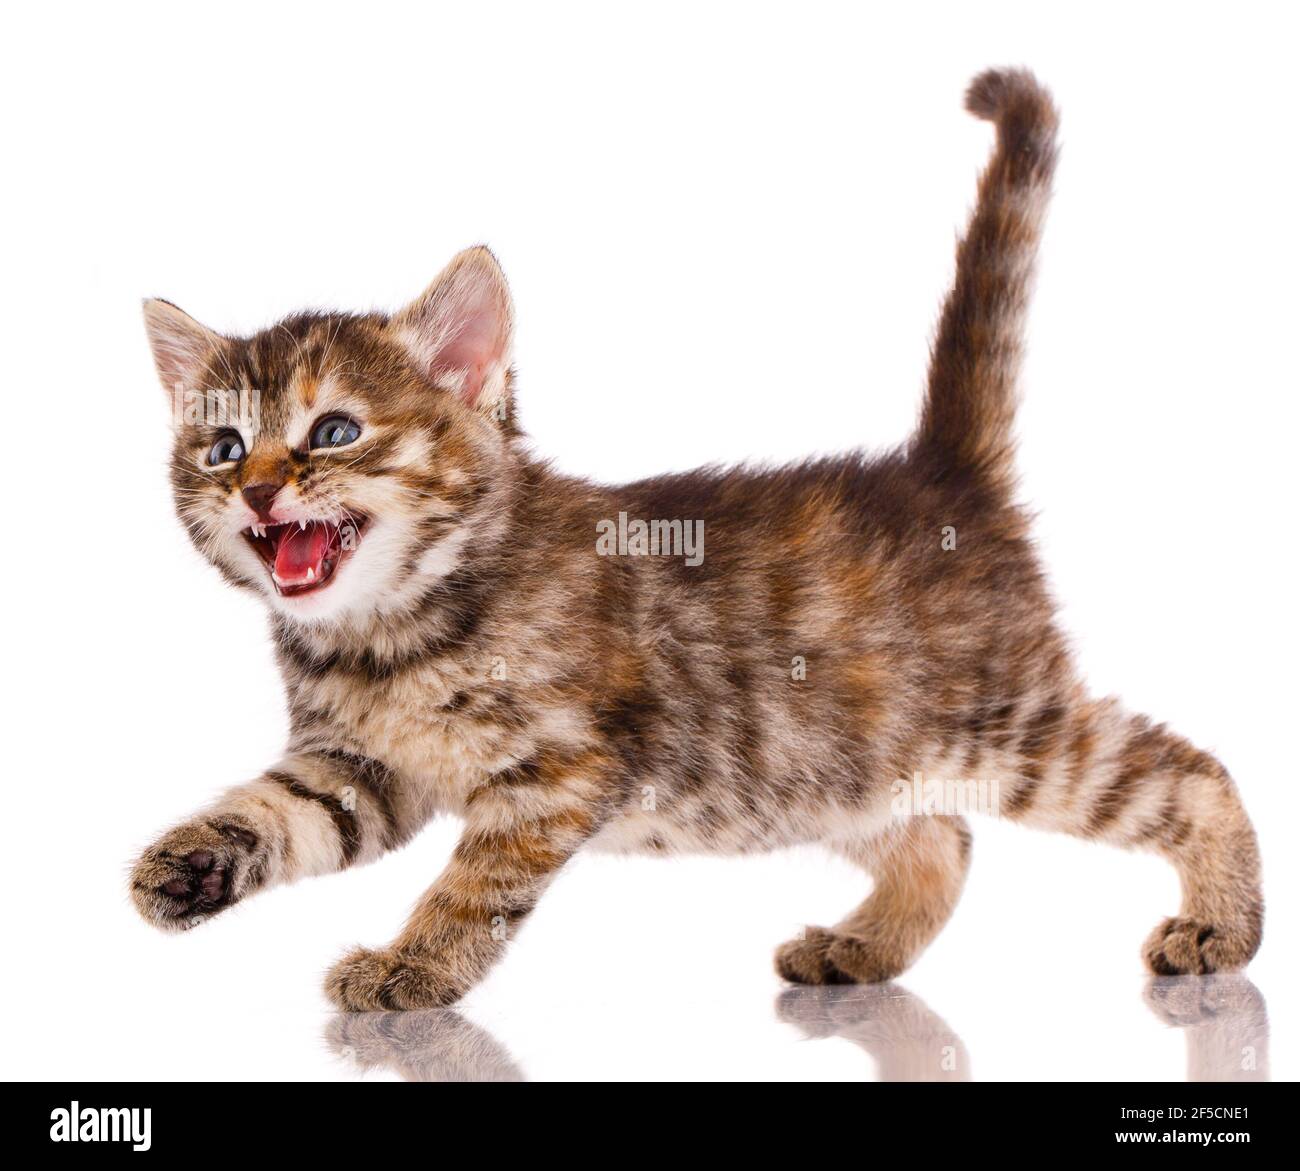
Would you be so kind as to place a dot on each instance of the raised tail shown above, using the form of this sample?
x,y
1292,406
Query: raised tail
x,y
970,403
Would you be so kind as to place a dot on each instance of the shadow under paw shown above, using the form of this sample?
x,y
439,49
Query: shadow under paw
x,y
907,1041
434,1045
1225,1020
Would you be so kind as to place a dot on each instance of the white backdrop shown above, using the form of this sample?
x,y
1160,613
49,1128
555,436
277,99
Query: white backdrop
x,y
728,228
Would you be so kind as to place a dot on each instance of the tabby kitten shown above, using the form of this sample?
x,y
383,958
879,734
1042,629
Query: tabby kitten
x,y
452,639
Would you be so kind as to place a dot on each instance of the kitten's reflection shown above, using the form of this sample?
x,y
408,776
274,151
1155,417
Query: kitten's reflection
x,y
1226,1022
908,1042
436,1045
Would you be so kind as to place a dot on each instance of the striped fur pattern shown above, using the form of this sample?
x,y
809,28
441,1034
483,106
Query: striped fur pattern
x,y
476,655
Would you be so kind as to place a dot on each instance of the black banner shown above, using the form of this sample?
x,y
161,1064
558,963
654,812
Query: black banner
x,y
207,1120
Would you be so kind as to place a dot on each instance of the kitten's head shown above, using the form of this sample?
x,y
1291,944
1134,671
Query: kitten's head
x,y
341,465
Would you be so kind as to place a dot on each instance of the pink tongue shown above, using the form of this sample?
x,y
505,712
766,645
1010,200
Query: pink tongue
x,y
301,551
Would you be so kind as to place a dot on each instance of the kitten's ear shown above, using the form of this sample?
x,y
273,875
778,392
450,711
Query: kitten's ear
x,y
181,346
461,331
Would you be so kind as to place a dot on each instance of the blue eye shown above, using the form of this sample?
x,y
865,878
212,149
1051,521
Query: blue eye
x,y
228,449
335,431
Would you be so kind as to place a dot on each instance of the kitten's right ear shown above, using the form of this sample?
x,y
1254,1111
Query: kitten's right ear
x,y
181,346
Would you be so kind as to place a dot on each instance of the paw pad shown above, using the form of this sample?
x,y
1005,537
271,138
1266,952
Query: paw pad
x,y
191,873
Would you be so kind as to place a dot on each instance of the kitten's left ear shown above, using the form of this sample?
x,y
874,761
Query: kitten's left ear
x,y
461,331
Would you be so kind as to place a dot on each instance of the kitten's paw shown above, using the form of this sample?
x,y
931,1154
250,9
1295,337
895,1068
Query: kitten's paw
x,y
1189,947
807,960
195,871
833,957
370,981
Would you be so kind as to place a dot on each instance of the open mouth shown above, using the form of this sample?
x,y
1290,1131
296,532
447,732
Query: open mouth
x,y
303,556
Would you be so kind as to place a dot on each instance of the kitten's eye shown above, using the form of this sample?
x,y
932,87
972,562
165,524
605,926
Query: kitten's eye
x,y
335,431
228,449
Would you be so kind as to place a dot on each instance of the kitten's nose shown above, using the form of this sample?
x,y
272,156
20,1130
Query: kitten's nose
x,y
259,498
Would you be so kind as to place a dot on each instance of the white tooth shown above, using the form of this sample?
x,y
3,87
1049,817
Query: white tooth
x,y
302,525
311,574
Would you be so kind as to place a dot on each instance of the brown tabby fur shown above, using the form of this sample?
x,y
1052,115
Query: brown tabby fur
x,y
492,665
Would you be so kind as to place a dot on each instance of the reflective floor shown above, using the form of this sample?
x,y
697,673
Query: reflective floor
x,y
1223,1018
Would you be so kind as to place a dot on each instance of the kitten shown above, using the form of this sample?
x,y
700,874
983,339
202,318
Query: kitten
x,y
453,640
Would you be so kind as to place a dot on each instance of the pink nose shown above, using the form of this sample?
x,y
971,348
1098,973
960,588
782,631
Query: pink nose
x,y
260,497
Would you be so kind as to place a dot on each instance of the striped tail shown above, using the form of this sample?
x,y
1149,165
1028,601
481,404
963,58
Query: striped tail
x,y
970,403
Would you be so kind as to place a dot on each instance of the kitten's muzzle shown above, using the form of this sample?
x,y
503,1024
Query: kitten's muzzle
x,y
302,556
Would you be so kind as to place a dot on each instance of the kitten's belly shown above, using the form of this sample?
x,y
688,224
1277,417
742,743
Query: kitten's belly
x,y
653,833
444,750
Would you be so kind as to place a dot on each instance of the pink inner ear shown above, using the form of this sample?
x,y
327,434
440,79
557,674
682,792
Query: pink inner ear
x,y
477,344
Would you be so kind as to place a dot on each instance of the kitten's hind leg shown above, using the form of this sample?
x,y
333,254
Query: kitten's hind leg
x,y
919,865
1100,772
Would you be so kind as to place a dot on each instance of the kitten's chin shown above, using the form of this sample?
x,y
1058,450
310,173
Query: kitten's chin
x,y
320,606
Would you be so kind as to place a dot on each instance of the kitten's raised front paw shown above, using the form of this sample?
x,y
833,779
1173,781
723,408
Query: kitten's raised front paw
x,y
833,957
1189,947
195,871
369,981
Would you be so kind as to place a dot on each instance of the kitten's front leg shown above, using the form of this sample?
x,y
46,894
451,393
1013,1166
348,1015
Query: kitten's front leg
x,y
522,826
313,813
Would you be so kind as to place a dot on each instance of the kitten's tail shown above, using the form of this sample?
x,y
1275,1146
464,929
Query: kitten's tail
x,y
966,420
